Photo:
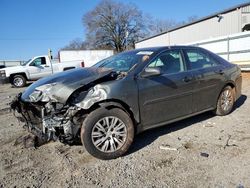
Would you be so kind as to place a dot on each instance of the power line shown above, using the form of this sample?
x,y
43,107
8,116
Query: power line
x,y
32,39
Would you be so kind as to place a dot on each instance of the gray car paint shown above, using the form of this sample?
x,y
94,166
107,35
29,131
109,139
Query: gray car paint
x,y
155,100
67,82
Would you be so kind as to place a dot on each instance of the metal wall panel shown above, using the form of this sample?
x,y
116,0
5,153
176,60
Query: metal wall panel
x,y
234,48
245,9
230,23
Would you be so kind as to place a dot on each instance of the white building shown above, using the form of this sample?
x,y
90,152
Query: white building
x,y
227,22
226,33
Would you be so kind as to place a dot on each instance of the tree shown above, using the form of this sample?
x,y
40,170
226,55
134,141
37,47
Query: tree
x,y
76,44
157,26
117,26
189,20
113,24
192,19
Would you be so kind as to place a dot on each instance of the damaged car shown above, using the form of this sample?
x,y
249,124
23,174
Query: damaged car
x,y
105,105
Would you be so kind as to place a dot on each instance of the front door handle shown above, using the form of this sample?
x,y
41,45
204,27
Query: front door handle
x,y
187,79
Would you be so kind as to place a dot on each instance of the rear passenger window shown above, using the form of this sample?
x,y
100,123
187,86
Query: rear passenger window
x,y
169,62
198,59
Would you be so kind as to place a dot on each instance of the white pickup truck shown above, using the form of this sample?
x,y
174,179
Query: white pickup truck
x,y
35,68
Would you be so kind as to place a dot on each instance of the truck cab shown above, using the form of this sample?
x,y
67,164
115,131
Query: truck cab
x,y
34,69
38,67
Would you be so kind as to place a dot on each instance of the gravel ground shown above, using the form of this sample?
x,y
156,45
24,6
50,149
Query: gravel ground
x,y
202,151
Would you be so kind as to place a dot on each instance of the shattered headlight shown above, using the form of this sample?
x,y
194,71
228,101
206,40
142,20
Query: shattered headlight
x,y
42,93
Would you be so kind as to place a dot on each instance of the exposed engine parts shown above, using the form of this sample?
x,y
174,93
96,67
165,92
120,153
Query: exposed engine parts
x,y
46,116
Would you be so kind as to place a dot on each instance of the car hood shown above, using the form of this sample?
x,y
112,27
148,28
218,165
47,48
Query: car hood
x,y
65,83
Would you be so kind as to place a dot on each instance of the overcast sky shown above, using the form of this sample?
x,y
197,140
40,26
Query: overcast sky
x,y
29,27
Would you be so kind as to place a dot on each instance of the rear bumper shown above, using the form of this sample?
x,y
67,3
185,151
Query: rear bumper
x,y
4,80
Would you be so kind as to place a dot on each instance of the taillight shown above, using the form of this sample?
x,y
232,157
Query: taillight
x,y
82,64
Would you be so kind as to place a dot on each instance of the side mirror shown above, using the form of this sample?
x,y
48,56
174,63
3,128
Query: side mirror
x,y
151,71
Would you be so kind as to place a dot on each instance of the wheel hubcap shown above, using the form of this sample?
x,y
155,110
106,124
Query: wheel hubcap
x,y
227,100
18,81
109,134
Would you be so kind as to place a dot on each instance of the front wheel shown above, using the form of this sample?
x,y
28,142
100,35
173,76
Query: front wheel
x,y
107,134
225,101
18,81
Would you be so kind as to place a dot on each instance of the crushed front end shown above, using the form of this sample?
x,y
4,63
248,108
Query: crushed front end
x,y
48,121
54,108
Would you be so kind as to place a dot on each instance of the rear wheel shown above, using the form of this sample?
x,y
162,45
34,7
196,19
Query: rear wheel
x,y
18,81
225,101
107,134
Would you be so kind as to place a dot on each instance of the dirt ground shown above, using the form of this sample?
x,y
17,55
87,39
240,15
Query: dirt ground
x,y
202,151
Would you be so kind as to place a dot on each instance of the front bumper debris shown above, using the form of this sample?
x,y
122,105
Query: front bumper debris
x,y
48,121
30,116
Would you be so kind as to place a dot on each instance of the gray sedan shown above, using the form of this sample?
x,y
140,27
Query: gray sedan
x,y
107,104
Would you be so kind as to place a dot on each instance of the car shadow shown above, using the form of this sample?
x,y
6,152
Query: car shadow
x,y
145,138
28,84
240,102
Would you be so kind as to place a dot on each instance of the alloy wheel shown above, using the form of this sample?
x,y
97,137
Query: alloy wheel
x,y
109,134
18,81
227,100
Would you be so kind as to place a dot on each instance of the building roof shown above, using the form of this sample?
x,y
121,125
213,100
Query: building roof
x,y
199,20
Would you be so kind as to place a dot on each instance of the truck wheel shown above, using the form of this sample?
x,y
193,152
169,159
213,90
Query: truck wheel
x,y
225,101
107,134
18,81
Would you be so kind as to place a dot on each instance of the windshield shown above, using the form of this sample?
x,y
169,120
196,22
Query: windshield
x,y
25,63
124,62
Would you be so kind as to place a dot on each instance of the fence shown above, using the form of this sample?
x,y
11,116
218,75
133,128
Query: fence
x,y
234,48
10,63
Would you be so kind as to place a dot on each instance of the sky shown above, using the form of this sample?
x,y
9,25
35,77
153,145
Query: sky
x,y
30,27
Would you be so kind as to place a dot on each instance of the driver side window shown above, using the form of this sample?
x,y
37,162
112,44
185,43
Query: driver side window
x,y
38,61
169,62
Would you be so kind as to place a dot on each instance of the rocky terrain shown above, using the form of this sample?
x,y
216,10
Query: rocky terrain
x,y
202,151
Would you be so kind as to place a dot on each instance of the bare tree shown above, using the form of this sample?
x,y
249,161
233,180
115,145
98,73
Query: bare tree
x,y
157,26
76,44
114,24
117,26
192,19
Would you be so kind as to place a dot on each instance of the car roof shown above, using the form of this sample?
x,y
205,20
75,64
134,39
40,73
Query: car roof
x,y
160,48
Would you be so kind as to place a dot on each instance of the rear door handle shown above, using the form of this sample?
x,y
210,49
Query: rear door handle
x,y
219,71
187,79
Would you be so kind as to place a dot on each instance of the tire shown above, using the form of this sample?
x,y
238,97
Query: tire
x,y
98,140
18,81
225,101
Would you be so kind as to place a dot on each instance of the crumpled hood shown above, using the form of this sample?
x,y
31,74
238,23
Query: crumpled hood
x,y
65,83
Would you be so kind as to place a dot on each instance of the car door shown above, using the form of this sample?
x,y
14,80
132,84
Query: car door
x,y
208,75
38,68
166,96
